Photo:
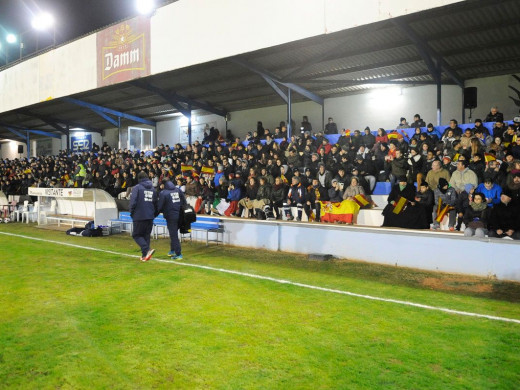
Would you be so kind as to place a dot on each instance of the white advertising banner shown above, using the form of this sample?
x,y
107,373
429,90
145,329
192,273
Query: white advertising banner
x,y
57,192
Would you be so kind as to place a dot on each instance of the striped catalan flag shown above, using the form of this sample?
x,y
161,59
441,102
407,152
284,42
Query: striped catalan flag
x,y
361,200
208,170
186,168
400,205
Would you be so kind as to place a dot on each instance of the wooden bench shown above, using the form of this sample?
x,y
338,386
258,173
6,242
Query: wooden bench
x,y
68,219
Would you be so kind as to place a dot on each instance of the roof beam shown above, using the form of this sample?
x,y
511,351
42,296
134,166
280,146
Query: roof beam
x,y
55,122
44,133
429,54
265,73
16,132
276,88
106,110
175,99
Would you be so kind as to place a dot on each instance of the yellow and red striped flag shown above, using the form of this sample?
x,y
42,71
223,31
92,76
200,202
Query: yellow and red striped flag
x,y
342,211
489,157
186,168
400,205
208,170
361,200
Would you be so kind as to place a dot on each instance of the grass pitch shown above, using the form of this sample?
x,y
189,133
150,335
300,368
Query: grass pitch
x,y
75,318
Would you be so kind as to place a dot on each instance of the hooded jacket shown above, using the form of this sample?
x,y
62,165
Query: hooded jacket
x,y
143,201
171,201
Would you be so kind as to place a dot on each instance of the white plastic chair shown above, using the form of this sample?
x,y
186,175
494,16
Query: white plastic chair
x,y
31,213
19,212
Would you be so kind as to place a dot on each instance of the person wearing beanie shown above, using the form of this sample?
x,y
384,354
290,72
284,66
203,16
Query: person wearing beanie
x,y
504,218
143,209
408,215
445,196
425,199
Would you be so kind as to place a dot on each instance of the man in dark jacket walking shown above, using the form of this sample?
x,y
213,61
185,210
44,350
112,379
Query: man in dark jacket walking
x,y
171,202
143,209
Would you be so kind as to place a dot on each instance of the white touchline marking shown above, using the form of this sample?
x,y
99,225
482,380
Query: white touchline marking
x,y
281,281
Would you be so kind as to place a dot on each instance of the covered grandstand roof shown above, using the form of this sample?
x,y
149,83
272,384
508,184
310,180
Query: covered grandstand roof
x,y
468,40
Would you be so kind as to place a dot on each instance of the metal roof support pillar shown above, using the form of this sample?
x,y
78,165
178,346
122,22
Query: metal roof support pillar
x,y
323,117
463,108
189,125
68,139
289,114
28,145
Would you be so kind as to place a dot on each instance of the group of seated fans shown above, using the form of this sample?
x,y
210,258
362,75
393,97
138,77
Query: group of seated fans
x,y
471,177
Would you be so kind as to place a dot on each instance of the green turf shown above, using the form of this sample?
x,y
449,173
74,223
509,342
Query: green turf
x,y
73,318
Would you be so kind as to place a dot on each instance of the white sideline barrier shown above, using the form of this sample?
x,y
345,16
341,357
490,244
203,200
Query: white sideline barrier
x,y
427,250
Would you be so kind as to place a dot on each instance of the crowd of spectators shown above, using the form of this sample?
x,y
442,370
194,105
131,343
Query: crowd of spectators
x,y
457,172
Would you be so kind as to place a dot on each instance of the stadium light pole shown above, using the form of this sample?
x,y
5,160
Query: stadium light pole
x,y
40,22
10,39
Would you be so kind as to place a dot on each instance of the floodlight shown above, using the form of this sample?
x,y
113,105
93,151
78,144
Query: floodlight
x,y
11,38
145,7
42,21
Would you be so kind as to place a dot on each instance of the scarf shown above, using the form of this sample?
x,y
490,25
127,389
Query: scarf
x,y
478,206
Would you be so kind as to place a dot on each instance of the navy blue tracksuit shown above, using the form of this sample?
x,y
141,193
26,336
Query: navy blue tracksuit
x,y
143,209
171,200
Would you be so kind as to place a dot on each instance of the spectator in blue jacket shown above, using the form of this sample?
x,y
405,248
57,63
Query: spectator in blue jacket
x,y
143,209
491,191
171,202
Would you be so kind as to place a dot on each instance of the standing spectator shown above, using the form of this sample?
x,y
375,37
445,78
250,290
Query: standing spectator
x,y
494,115
403,124
418,122
306,125
171,202
143,209
369,139
331,127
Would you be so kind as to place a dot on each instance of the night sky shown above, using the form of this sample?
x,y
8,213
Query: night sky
x,y
74,18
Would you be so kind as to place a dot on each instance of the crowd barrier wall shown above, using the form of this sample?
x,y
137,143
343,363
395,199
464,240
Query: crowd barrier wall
x,y
426,250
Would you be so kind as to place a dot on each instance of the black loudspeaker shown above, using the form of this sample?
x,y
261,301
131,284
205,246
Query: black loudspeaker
x,y
470,97
20,149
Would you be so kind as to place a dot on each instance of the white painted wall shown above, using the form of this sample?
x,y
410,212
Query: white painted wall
x,y
483,257
217,29
366,109
10,150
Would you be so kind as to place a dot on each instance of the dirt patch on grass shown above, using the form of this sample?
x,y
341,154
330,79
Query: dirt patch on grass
x,y
458,284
